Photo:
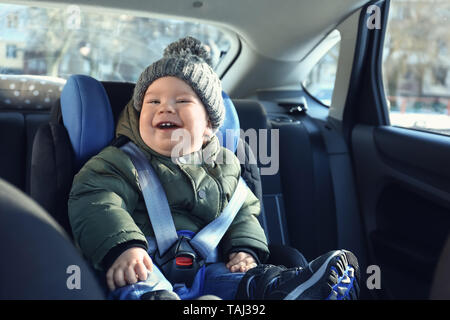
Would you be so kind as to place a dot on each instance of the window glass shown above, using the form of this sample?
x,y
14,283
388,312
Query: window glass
x,y
11,51
320,80
59,42
416,65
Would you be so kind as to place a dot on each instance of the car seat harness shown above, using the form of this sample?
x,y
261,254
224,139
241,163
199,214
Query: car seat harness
x,y
178,255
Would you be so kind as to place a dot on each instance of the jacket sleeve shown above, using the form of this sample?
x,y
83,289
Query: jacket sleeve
x,y
103,195
246,231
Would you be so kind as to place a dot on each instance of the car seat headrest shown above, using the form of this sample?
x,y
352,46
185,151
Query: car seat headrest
x,y
87,116
229,132
89,121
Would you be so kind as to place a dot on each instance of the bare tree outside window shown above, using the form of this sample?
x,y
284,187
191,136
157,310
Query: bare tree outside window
x,y
416,64
59,42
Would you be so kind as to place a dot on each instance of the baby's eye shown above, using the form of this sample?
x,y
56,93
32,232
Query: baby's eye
x,y
183,101
153,101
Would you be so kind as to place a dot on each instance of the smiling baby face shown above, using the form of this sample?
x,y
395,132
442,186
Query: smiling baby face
x,y
170,104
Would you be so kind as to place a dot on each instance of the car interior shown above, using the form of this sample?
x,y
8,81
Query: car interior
x,y
339,176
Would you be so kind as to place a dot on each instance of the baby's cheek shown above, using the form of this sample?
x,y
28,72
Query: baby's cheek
x,y
143,126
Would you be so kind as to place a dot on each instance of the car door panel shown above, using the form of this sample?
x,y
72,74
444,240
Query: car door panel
x,y
404,189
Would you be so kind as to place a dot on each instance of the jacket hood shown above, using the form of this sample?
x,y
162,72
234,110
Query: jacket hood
x,y
128,125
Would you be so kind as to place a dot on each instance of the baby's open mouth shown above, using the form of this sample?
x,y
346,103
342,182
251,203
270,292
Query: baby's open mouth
x,y
166,125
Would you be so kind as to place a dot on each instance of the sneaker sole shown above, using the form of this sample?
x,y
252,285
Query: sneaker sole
x,y
343,263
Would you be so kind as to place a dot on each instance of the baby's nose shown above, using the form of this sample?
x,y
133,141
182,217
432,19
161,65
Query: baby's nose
x,y
167,107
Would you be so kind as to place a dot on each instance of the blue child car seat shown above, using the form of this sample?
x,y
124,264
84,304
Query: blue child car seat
x,y
83,124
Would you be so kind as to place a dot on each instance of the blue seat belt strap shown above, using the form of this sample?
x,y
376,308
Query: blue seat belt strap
x,y
155,199
207,239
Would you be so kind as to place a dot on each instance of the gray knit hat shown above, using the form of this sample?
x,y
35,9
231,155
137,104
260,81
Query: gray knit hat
x,y
188,60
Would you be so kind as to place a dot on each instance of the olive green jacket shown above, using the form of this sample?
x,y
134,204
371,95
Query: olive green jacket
x,y
106,207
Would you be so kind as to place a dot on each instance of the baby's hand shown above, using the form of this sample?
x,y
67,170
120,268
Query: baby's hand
x,y
240,262
132,265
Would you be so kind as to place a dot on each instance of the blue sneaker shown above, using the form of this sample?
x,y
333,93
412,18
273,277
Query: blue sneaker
x,y
332,276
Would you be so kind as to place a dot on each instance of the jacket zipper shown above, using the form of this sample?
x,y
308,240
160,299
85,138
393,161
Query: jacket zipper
x,y
222,194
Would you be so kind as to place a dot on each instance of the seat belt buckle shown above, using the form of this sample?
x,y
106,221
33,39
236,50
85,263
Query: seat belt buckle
x,y
180,263
184,260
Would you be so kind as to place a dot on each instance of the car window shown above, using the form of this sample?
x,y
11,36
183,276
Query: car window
x,y
320,80
110,46
416,65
